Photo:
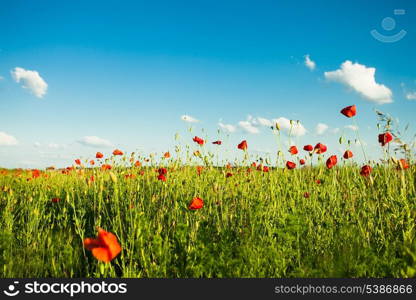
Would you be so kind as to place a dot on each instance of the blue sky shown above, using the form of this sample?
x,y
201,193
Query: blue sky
x,y
126,71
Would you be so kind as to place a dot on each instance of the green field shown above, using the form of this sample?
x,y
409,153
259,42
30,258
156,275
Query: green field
x,y
253,224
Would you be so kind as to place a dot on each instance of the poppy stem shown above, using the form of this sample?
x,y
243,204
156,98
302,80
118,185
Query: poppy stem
x,y
357,133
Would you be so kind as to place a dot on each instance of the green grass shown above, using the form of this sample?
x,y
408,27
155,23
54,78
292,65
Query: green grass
x,y
252,225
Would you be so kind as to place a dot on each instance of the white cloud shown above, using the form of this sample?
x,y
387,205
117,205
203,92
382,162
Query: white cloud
x,y
310,64
362,80
321,128
94,141
247,126
55,146
352,127
261,121
227,127
1,77
7,140
335,130
189,119
54,155
290,127
252,124
411,95
31,80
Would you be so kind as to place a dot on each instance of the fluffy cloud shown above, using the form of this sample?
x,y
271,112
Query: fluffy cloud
x,y
310,64
248,126
30,80
227,127
321,128
55,146
335,130
189,119
411,95
94,141
290,127
362,80
7,140
252,125
261,121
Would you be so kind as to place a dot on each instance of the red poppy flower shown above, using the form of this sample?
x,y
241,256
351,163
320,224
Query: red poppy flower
x,y
99,155
78,162
265,169
166,155
403,165
129,176
348,154
366,170
92,162
198,140
55,200
137,164
117,152
293,150
253,164
196,203
35,173
106,167
385,138
290,165
349,111
306,195
331,161
217,143
308,148
228,174
242,145
162,171
229,166
302,161
105,247
161,177
199,169
320,148
318,181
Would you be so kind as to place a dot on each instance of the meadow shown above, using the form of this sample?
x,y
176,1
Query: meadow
x,y
174,218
